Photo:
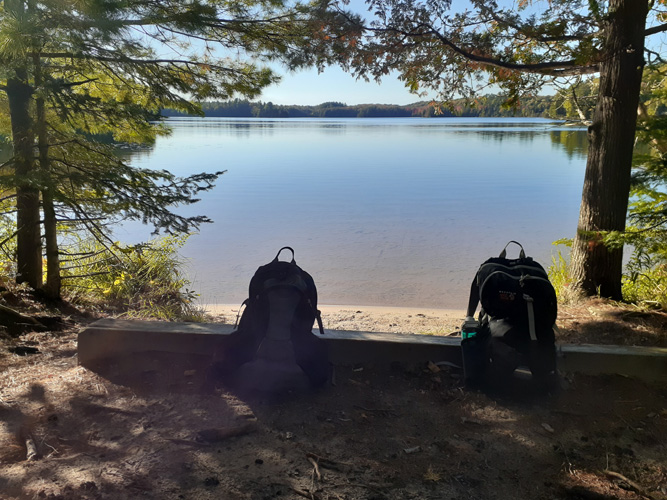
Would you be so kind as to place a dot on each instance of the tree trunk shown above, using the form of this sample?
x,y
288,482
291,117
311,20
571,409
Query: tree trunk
x,y
53,282
597,268
28,239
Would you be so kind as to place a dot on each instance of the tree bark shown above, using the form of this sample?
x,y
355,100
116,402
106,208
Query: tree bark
x,y
597,268
28,238
53,282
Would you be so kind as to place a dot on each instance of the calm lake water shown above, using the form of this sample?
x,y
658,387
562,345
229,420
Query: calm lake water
x,y
392,212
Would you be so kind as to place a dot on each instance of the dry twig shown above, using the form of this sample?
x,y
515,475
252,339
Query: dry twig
x,y
316,467
327,463
631,484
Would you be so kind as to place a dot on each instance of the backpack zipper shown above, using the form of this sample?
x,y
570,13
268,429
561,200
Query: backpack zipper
x,y
521,266
520,279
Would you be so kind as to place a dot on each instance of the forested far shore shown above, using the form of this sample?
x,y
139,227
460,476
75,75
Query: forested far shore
x,y
485,106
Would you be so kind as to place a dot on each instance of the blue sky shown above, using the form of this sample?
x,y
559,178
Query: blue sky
x,y
309,88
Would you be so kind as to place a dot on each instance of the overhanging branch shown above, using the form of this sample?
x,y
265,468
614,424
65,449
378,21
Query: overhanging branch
x,y
551,68
655,29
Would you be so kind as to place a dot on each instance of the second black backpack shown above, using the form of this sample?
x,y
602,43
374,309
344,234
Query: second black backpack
x,y
518,312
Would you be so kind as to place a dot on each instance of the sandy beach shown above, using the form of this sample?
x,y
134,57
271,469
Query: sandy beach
x,y
369,318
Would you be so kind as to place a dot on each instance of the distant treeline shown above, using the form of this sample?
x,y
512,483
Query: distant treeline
x,y
486,106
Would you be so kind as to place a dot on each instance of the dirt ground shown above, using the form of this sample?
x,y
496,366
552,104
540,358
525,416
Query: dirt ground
x,y
381,432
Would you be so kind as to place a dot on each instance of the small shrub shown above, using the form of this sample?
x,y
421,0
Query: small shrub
x,y
142,281
646,287
559,275
644,277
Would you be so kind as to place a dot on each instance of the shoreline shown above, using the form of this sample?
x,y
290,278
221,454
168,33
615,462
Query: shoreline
x,y
394,319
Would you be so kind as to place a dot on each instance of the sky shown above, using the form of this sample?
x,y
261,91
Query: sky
x,y
307,87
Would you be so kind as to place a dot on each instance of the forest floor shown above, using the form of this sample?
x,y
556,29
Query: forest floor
x,y
381,432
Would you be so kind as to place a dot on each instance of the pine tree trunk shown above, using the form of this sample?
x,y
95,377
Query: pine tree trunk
x,y
595,267
53,282
28,240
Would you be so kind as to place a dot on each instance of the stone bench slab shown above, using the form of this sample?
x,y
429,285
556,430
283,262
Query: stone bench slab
x,y
112,338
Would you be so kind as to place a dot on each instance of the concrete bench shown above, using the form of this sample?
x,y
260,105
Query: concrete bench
x,y
110,339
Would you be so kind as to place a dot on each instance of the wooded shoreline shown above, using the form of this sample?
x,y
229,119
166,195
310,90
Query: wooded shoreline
x,y
488,106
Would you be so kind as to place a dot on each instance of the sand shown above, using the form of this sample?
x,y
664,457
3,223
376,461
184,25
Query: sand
x,y
370,318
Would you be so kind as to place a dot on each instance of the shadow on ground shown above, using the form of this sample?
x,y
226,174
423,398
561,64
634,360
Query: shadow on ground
x,y
382,432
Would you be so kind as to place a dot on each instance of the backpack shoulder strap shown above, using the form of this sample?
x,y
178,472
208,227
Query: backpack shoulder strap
x,y
474,297
238,313
318,317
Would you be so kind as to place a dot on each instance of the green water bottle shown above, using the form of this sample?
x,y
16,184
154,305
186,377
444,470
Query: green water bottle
x,y
470,328
474,352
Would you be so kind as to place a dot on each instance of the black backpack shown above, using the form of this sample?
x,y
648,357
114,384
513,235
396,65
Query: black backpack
x,y
518,314
274,333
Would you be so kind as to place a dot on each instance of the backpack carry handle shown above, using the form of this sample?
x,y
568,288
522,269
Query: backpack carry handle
x,y
285,248
522,254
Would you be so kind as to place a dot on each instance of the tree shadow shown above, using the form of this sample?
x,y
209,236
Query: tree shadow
x,y
615,326
394,432
101,438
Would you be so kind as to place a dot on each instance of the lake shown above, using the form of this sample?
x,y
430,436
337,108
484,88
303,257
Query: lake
x,y
390,212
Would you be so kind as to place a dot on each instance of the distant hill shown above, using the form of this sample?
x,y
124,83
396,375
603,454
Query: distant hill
x,y
486,106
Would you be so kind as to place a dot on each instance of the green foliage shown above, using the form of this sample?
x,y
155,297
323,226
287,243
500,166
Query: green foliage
x,y
7,242
576,100
559,275
645,282
646,277
145,280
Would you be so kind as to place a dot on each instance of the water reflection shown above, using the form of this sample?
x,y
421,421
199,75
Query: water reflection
x,y
130,152
573,141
